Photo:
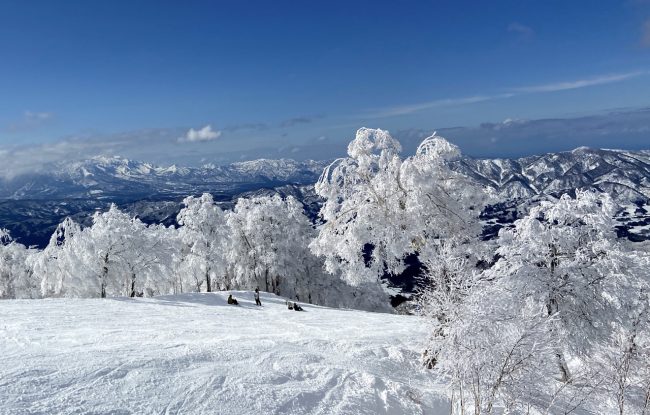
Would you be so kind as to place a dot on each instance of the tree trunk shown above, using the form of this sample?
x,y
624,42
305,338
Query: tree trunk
x,y
276,284
104,276
207,281
266,280
552,308
132,285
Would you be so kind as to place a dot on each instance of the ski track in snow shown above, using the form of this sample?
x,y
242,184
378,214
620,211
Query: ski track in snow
x,y
193,353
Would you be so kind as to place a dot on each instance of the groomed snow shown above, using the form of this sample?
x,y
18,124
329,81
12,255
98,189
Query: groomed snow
x,y
193,353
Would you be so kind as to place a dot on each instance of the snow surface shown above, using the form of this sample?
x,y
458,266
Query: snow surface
x,y
193,353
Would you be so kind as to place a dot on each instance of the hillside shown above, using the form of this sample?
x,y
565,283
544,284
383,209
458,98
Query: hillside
x,y
193,353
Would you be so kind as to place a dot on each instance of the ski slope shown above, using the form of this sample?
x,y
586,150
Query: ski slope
x,y
193,353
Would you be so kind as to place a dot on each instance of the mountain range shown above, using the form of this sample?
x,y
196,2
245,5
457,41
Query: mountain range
x,y
31,205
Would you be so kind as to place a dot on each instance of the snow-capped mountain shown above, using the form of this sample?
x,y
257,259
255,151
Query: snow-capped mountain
x,y
518,183
623,174
116,177
31,205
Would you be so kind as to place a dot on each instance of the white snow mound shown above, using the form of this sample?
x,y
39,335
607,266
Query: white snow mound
x,y
193,353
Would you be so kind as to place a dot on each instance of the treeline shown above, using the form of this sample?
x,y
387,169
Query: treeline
x,y
263,242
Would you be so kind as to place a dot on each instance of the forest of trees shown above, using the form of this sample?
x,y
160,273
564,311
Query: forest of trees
x,y
263,242
547,317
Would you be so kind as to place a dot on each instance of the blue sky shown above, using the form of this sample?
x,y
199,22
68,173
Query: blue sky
x,y
296,79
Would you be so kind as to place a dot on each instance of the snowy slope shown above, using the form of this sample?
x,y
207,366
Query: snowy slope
x,y
193,353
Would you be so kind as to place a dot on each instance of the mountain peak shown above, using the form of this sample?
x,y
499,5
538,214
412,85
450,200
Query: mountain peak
x,y
583,150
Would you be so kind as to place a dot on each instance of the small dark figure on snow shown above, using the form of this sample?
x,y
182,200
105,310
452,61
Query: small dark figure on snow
x,y
232,300
296,307
257,296
289,305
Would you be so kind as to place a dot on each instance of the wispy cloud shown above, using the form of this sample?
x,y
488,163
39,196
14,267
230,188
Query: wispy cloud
x,y
445,102
512,92
19,160
202,135
579,83
154,145
524,32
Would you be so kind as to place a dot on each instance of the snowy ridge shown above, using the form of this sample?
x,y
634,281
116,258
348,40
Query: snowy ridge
x,y
192,353
625,175
118,177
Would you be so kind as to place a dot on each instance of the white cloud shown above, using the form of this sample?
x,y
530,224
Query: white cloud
x,y
533,89
204,134
18,159
579,83
446,102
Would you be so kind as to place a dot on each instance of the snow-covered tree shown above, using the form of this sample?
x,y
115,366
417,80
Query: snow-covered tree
x,y
531,328
117,255
49,265
204,233
379,208
560,256
112,239
93,261
150,265
625,362
269,239
16,277
269,248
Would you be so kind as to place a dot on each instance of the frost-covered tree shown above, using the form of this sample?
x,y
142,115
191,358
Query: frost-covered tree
x,y
532,327
625,363
16,277
150,265
560,256
269,248
117,255
93,261
269,239
49,265
204,233
108,245
379,208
